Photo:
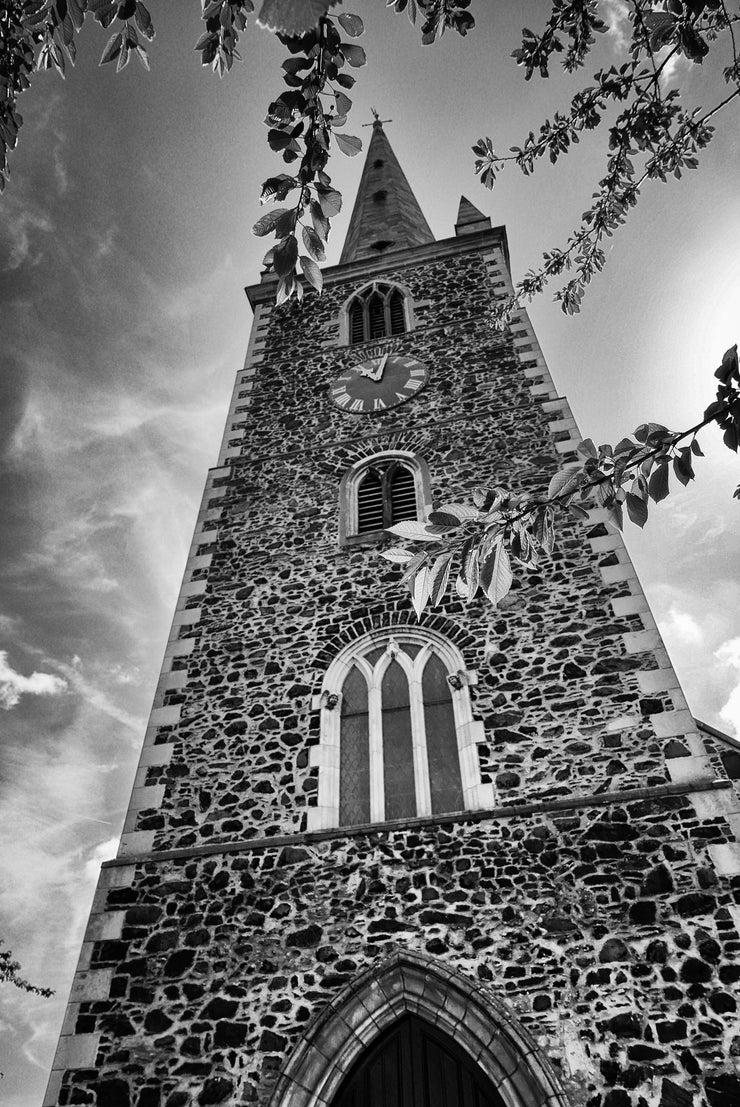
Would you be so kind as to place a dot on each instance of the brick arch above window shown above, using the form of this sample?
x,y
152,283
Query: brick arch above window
x,y
379,491
398,737
377,310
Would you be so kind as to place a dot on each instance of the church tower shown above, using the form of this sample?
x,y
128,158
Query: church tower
x,y
484,858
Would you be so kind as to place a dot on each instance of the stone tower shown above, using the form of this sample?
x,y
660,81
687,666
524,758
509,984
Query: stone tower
x,y
485,858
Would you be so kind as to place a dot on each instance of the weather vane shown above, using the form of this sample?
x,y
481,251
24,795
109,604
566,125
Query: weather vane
x,y
376,119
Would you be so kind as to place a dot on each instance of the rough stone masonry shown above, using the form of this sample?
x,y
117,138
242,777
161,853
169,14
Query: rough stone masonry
x,y
596,897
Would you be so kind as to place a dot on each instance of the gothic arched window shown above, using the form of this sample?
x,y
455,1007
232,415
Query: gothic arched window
x,y
398,737
377,311
381,491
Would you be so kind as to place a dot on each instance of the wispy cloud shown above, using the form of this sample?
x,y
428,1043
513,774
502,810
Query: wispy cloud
x,y
13,685
615,14
728,656
682,628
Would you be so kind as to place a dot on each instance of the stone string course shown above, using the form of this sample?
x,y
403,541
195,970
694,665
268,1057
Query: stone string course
x,y
610,931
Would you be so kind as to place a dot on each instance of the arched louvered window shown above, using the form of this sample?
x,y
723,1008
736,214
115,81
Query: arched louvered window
x,y
399,713
386,494
377,311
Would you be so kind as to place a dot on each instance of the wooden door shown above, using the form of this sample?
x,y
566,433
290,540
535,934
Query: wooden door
x,y
415,1065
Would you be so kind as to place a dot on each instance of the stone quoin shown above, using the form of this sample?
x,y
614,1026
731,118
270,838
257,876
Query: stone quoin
x,y
484,857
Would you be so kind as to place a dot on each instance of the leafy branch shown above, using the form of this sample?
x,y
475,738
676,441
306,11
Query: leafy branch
x,y
481,539
9,974
652,126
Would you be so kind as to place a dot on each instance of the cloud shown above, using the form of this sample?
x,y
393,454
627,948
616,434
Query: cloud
x,y
681,627
97,698
20,229
728,655
13,685
615,14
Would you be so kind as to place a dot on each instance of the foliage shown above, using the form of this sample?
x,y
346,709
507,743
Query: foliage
x,y
9,974
482,539
304,121
650,138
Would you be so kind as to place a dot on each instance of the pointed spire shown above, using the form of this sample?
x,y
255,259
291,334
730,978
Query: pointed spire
x,y
470,219
386,215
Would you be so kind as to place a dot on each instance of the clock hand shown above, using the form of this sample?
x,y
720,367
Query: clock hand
x,y
381,368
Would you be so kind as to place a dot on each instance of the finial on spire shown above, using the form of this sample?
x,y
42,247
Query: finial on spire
x,y
377,121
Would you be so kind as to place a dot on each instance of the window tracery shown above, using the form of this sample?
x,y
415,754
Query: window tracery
x,y
400,740
377,311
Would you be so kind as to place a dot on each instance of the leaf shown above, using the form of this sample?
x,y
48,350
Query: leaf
x,y
330,201
413,530
439,578
311,272
420,587
292,17
417,560
637,509
650,431
397,554
498,580
354,55
112,48
285,256
471,568
348,144
562,482
457,511
461,587
729,367
277,188
313,244
343,103
682,466
352,24
615,514
443,519
658,483
267,223
730,438
587,448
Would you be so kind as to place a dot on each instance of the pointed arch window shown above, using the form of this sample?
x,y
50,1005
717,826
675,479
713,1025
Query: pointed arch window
x,y
381,491
377,311
398,737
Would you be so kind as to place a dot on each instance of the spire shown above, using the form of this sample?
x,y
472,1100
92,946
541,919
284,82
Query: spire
x,y
470,219
386,215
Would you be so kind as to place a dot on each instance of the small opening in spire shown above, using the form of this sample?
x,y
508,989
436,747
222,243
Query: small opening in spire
x,y
382,244
380,196
378,163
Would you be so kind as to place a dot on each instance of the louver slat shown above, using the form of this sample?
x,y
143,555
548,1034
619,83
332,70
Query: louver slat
x,y
370,503
356,322
398,321
376,313
403,495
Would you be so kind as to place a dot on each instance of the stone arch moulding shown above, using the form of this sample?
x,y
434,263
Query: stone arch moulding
x,y
413,983
408,308
348,508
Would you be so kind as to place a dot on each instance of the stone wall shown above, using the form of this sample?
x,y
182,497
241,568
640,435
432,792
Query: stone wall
x,y
596,894
605,929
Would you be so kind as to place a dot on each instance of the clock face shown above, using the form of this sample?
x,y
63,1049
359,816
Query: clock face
x,y
379,383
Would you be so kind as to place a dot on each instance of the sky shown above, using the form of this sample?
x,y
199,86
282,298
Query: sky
x,y
125,246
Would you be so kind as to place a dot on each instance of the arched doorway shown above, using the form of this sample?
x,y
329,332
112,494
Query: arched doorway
x,y
345,1034
414,1065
